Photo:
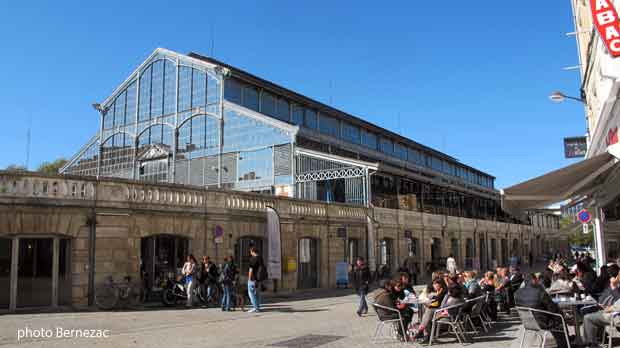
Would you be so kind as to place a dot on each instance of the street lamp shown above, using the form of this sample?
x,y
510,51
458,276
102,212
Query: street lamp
x,y
559,97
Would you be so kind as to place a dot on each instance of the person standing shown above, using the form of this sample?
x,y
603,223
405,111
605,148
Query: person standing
x,y
189,271
410,266
255,276
228,276
361,280
451,264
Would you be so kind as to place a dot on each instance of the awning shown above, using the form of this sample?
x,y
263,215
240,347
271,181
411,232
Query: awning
x,y
576,180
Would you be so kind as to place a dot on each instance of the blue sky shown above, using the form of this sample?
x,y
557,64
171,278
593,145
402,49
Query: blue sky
x,y
467,78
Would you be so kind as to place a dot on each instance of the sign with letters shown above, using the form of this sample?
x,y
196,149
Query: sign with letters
x,y
605,20
575,147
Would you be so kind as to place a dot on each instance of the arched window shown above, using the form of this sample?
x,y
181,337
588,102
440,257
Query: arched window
x,y
117,156
157,90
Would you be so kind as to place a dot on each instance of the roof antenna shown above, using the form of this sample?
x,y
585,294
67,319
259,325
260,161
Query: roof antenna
x,y
212,40
400,129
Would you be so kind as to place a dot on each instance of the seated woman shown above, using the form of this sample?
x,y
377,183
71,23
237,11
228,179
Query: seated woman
x,y
436,298
404,286
386,297
487,285
562,284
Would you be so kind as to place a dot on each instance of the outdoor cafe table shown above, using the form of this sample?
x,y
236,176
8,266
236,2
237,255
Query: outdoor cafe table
x,y
569,304
418,303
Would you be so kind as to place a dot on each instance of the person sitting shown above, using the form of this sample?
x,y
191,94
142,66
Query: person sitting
x,y
404,285
602,281
386,298
503,290
487,285
436,298
532,295
609,302
584,278
562,284
471,286
398,296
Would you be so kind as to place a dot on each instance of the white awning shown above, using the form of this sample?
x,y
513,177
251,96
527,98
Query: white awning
x,y
576,180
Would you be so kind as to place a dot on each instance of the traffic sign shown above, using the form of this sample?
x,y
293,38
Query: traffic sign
x,y
584,216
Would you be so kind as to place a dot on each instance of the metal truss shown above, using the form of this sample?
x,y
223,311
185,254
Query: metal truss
x,y
331,174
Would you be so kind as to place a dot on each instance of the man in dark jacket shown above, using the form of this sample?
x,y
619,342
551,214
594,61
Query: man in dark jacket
x,y
361,279
534,296
608,303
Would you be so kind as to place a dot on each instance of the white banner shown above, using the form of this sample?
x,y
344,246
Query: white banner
x,y
274,267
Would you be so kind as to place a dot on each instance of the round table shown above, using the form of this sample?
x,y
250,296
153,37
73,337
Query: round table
x,y
570,304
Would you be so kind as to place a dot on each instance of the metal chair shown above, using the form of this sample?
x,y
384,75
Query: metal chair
x,y
476,313
531,324
454,321
611,330
382,322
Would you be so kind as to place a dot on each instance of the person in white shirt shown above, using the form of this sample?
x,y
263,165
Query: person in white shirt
x,y
189,271
451,264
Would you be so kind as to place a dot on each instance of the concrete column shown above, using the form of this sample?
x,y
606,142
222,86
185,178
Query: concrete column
x,y
14,270
55,268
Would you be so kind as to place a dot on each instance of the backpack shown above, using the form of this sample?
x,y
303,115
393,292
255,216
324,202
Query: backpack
x,y
261,275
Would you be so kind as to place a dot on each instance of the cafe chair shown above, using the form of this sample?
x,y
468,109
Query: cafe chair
x,y
476,305
611,330
453,321
531,325
397,320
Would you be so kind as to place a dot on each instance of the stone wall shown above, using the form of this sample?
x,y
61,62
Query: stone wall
x,y
127,211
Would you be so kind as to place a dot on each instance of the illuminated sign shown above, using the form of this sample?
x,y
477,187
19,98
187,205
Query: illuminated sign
x,y
606,21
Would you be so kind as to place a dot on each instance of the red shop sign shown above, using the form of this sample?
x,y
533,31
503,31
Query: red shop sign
x,y
606,21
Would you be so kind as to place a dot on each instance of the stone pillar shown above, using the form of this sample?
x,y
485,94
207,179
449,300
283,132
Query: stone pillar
x,y
14,261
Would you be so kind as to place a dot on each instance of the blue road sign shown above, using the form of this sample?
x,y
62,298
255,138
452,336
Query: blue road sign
x,y
584,216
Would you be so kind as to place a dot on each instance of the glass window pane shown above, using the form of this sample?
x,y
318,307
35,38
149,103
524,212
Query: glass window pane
x,y
232,91
213,90
350,133
283,110
170,93
386,146
329,125
310,120
199,88
369,139
144,112
400,151
255,168
185,88
250,98
157,89
297,116
268,103
131,104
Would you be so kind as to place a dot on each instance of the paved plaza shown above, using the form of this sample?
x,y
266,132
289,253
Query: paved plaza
x,y
296,323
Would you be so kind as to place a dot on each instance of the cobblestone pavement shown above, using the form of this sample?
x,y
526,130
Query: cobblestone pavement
x,y
295,323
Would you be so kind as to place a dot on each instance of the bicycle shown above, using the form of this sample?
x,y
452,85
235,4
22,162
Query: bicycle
x,y
109,294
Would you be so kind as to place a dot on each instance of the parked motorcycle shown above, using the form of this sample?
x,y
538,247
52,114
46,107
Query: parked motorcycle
x,y
175,292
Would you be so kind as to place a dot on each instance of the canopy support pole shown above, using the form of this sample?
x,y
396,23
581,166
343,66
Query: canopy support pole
x,y
599,240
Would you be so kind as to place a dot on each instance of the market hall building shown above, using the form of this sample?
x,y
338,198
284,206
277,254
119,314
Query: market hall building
x,y
193,121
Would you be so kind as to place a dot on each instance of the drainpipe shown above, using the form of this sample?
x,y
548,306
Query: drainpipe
x,y
91,221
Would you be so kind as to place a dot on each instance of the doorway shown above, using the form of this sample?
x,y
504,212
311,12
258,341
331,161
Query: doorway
x,y
308,264
5,271
353,250
162,257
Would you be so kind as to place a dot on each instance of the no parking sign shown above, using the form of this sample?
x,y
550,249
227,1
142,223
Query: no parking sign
x,y
584,216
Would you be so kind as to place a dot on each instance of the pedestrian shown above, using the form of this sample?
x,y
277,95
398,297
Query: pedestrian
x,y
361,280
210,277
451,264
189,272
411,267
229,273
256,274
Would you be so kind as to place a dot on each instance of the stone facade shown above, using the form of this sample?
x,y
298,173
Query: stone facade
x,y
124,212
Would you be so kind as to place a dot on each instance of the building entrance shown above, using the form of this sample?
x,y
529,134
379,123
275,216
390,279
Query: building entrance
x,y
308,267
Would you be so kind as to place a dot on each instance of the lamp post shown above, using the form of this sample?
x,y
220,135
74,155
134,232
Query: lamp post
x,y
559,97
